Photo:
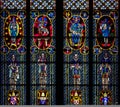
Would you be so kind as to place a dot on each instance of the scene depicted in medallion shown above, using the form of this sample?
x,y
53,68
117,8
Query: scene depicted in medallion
x,y
105,32
43,32
13,32
76,32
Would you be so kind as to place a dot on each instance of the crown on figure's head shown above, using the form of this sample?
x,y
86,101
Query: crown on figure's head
x,y
76,94
43,94
105,94
13,93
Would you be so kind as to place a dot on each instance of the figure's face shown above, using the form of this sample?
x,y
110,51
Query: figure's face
x,y
106,64
43,55
97,13
106,55
103,65
104,26
75,57
13,58
76,19
13,26
85,14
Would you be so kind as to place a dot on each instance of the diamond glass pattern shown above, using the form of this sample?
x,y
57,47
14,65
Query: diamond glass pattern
x,y
42,4
75,4
13,4
105,4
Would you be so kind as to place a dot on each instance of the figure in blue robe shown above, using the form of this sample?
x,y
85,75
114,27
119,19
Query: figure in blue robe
x,y
105,28
105,99
13,30
75,68
13,73
76,29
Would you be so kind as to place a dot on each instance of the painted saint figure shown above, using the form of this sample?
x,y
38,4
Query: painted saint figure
x,y
42,70
105,32
13,30
13,73
75,68
76,30
43,31
105,29
42,27
105,70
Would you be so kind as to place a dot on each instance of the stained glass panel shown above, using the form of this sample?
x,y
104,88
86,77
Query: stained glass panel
x,y
105,53
76,51
43,53
90,73
13,57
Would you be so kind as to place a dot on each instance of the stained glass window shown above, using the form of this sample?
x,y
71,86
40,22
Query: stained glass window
x,y
59,52
43,54
76,50
13,52
105,52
